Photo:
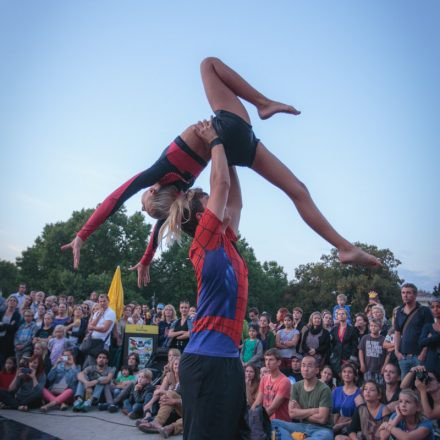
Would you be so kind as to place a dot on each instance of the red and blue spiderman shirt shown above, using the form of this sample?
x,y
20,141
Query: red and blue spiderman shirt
x,y
222,286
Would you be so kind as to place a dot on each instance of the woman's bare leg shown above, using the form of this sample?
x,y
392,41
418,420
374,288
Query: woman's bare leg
x,y
272,169
223,86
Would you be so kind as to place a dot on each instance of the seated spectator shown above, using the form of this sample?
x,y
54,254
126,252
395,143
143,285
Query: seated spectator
x,y
76,331
141,394
62,317
286,341
274,389
57,344
294,372
94,381
344,399
267,337
26,389
39,315
124,378
168,317
429,388
316,339
7,373
430,338
61,382
170,383
46,330
310,404
326,376
40,349
9,322
132,363
173,353
408,421
368,417
372,355
24,336
252,350
391,376
252,380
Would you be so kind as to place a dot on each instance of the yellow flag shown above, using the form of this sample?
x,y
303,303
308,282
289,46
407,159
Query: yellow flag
x,y
116,294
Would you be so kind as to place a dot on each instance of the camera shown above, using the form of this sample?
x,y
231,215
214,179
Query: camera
x,y
64,358
25,370
423,376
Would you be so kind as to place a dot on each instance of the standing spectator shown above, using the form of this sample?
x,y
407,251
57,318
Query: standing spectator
x,y
136,317
286,341
298,321
344,399
361,325
85,309
7,373
39,299
61,382
372,354
266,335
70,301
46,330
93,299
123,321
93,381
180,328
76,331
373,299
274,389
409,321
281,313
9,321
254,315
26,305
341,300
252,379
430,338
25,391
327,320
407,418
20,295
378,312
24,336
344,342
39,315
310,402
252,350
168,317
316,340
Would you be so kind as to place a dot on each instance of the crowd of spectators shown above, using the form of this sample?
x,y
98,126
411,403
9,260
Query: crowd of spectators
x,y
332,375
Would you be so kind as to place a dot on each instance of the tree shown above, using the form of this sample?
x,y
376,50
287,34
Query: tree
x,y
9,277
121,240
316,284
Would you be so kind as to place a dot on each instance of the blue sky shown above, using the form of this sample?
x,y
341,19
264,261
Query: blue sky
x,y
92,91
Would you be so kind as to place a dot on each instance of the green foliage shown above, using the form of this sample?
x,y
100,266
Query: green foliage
x,y
317,284
9,278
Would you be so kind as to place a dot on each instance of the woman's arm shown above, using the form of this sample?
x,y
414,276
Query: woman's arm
x,y
293,342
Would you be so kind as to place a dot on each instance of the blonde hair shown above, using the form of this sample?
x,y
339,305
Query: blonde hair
x,y
416,398
181,216
311,318
171,307
160,201
147,373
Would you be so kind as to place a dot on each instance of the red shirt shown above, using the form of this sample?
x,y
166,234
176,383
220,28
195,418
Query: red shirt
x,y
270,388
5,380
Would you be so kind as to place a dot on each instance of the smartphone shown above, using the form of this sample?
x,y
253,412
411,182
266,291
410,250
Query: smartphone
x,y
25,370
64,358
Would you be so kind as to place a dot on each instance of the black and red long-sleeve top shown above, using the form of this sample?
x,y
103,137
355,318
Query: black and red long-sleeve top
x,y
178,165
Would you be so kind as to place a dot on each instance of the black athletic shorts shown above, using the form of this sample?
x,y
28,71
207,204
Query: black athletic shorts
x,y
237,136
213,398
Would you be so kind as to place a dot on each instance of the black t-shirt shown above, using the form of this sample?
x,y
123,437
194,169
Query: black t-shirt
x,y
44,333
179,343
409,339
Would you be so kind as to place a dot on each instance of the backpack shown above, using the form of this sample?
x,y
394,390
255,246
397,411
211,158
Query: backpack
x,y
259,423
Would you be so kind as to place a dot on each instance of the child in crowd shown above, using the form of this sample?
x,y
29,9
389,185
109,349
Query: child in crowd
x,y
252,350
57,343
124,378
372,354
7,373
141,394
341,300
287,340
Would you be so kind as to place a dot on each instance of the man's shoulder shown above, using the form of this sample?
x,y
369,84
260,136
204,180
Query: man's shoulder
x,y
109,314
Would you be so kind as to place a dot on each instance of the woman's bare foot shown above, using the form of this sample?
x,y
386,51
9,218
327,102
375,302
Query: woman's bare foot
x,y
166,431
358,256
269,108
22,408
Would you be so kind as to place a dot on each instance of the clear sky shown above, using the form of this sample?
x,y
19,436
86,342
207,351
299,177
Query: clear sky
x,y
92,91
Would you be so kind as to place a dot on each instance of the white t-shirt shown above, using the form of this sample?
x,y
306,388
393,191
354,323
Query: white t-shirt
x,y
109,315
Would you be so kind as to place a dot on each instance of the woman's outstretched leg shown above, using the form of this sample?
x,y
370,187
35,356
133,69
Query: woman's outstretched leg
x,y
223,85
272,169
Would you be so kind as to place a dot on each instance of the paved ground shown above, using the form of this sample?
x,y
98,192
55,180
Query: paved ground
x,y
69,426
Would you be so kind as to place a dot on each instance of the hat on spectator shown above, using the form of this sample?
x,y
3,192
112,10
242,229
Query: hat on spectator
x,y
297,356
160,306
435,298
373,294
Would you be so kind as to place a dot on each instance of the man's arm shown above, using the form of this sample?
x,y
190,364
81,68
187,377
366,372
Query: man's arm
x,y
235,202
107,379
276,403
296,412
399,355
321,416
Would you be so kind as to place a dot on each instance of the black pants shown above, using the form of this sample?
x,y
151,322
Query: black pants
x,y
11,401
213,398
